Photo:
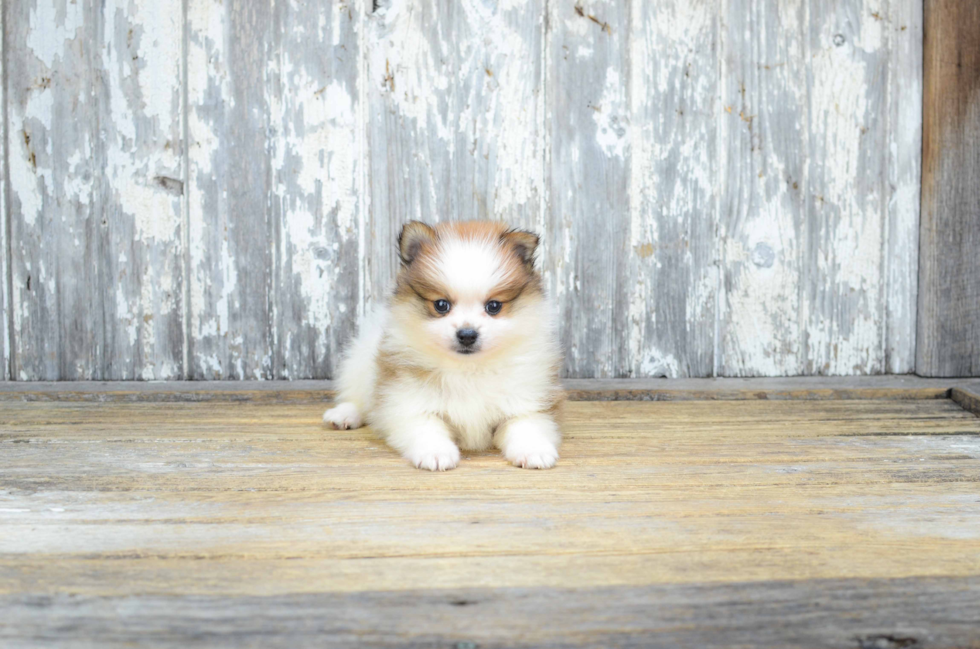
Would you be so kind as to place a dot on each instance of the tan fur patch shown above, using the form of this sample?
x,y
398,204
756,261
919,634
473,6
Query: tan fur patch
x,y
418,280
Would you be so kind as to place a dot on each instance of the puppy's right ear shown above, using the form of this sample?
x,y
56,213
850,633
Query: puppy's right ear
x,y
413,236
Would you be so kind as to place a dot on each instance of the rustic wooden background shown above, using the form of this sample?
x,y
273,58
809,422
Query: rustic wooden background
x,y
211,189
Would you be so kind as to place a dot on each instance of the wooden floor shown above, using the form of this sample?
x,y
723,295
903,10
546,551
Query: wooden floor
x,y
736,523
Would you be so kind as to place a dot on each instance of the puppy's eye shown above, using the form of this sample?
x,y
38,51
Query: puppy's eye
x,y
442,306
493,307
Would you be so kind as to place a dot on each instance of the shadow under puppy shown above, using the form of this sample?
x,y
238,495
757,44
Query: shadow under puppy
x,y
464,354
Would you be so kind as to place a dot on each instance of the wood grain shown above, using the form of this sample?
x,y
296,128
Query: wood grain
x,y
904,132
727,190
587,233
95,166
762,174
968,397
891,613
318,163
456,124
141,197
497,136
948,335
781,389
54,155
5,289
846,188
812,283
153,522
673,271
411,127
231,217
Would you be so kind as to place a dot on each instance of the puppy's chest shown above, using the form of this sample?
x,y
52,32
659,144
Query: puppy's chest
x,y
474,407
467,405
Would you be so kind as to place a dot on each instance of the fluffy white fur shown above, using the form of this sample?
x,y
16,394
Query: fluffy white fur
x,y
405,377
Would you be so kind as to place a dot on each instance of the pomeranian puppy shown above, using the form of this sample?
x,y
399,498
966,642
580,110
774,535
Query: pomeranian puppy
x,y
464,354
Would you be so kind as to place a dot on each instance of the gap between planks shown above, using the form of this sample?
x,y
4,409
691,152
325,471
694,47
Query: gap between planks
x,y
965,392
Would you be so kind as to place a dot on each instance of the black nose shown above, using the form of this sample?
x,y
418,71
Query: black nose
x,y
466,337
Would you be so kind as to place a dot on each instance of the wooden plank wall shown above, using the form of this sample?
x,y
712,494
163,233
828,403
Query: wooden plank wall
x,y
209,189
949,262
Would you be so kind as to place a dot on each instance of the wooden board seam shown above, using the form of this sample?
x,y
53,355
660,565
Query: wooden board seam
x,y
888,388
967,398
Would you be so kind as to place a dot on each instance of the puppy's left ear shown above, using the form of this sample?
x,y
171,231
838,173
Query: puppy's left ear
x,y
412,238
523,243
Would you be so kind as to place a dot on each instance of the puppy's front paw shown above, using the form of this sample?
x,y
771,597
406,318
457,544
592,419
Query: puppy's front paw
x,y
530,442
437,454
543,456
343,416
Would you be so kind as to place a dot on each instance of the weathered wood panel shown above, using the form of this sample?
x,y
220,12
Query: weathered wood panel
x,y
587,230
95,161
232,211
904,133
794,521
845,187
4,245
801,388
949,263
455,127
411,126
723,189
937,612
498,95
819,193
142,188
673,287
54,152
762,127
318,163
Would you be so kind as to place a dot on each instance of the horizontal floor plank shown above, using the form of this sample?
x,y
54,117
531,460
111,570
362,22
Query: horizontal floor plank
x,y
796,388
937,612
225,523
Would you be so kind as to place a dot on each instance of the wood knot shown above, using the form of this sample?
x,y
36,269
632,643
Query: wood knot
x,y
885,641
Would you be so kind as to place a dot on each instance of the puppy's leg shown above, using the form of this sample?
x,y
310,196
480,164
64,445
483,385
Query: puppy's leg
x,y
530,441
343,416
357,376
426,442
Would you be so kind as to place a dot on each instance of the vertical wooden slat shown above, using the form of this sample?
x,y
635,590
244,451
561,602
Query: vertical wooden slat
x,y
411,126
816,223
762,154
498,102
55,153
847,190
455,128
792,167
317,163
904,132
673,275
589,178
4,241
142,188
231,219
948,333
95,205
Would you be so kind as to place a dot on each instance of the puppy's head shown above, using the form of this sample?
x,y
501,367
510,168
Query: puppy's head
x,y
467,288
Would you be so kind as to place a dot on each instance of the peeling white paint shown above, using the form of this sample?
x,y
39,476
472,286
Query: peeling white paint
x,y
25,183
52,25
611,116
5,297
327,149
501,87
732,131
414,94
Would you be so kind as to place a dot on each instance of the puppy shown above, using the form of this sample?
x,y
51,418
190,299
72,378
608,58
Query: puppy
x,y
464,354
